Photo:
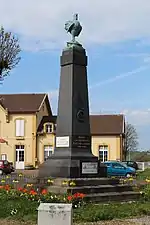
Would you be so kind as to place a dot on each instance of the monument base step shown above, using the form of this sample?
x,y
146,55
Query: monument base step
x,y
95,189
81,181
113,197
91,189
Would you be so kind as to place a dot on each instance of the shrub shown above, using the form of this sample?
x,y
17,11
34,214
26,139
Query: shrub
x,y
146,192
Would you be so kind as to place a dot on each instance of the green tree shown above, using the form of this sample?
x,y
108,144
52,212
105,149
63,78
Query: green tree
x,y
9,51
131,139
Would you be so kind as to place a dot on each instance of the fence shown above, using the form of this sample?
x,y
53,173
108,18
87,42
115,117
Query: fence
x,y
143,165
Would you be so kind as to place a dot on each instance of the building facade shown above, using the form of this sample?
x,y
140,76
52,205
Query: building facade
x,y
27,131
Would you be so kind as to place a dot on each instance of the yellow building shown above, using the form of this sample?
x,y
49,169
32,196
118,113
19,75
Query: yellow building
x,y
27,131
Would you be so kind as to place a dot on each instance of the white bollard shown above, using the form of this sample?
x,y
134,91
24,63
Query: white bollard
x,y
55,214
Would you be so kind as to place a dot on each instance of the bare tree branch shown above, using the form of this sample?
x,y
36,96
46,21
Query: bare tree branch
x,y
9,51
131,138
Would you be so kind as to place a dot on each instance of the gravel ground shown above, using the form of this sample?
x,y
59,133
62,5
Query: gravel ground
x,y
139,221
11,222
142,221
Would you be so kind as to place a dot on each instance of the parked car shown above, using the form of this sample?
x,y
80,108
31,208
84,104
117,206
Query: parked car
x,y
5,167
131,164
115,168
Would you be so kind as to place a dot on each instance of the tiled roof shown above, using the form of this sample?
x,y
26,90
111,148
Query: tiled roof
x,y
100,124
22,103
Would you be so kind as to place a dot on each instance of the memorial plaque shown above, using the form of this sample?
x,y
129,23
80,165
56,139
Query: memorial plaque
x,y
62,142
89,167
81,141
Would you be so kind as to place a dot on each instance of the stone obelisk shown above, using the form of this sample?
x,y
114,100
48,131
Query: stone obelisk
x,y
72,155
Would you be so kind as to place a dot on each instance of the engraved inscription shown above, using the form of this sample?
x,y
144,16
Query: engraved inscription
x,y
81,141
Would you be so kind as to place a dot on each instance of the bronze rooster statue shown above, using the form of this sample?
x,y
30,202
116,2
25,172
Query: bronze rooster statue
x,y
73,27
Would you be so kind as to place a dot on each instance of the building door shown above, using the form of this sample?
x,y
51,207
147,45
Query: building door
x,y
103,153
48,151
20,157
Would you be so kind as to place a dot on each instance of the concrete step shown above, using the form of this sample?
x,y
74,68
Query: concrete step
x,y
91,189
101,189
113,196
88,181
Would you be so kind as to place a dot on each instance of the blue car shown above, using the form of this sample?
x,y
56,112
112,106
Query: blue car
x,y
115,168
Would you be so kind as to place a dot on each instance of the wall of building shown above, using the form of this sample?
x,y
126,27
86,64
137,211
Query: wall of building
x,y
34,145
43,112
43,140
7,132
113,143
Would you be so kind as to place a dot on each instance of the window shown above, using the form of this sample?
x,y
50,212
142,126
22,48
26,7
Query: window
x,y
117,165
49,128
3,156
48,151
103,153
19,128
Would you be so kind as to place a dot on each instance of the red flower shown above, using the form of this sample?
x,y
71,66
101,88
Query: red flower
x,y
82,195
7,187
44,192
69,198
20,189
32,192
79,195
24,190
1,187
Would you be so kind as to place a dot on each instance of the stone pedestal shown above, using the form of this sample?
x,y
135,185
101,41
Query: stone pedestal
x,y
72,155
55,214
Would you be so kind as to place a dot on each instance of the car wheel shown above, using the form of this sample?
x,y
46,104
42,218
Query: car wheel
x,y
128,175
1,172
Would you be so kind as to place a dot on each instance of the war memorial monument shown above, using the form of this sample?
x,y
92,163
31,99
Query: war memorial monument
x,y
72,156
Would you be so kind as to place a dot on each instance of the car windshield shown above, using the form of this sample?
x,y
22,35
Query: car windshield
x,y
123,164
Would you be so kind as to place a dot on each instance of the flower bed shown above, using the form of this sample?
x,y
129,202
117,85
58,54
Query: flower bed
x,y
32,194
21,203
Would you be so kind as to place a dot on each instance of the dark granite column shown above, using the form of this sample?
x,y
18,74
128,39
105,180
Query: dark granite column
x,y
72,156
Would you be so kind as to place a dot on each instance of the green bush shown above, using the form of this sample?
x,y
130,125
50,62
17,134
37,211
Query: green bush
x,y
146,192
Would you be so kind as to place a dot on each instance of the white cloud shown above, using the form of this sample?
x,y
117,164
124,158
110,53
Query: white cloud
x,y
40,23
121,76
135,55
138,117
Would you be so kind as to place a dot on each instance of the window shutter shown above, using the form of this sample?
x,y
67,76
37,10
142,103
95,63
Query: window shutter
x,y
22,128
17,128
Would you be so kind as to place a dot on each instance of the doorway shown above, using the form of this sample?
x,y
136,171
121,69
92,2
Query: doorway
x,y
20,157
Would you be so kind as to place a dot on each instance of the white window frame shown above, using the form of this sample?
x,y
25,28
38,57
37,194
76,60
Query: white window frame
x,y
3,156
49,128
104,150
47,149
20,127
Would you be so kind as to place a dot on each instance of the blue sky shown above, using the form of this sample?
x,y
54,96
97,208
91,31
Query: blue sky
x,y
116,36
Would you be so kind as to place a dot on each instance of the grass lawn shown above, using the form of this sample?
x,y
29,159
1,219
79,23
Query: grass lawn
x,y
143,175
26,211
